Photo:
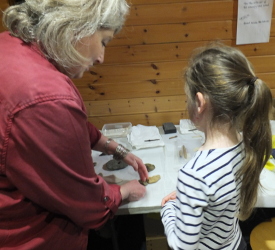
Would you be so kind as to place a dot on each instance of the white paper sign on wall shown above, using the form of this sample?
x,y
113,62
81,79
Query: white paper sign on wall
x,y
254,21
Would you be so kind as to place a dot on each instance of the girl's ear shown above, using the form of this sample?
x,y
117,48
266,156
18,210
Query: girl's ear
x,y
201,102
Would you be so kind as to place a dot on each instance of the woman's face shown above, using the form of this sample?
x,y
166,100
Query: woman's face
x,y
93,48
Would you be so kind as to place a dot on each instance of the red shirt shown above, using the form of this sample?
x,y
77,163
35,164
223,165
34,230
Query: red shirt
x,y
49,193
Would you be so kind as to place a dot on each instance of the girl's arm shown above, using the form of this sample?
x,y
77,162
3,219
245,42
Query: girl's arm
x,y
182,217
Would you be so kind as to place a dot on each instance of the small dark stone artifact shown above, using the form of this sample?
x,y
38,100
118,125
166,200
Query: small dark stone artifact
x,y
114,165
150,167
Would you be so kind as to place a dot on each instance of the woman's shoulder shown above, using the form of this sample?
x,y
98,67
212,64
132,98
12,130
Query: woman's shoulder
x,y
27,71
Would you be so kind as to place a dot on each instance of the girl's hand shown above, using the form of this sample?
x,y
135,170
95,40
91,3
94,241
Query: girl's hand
x,y
168,197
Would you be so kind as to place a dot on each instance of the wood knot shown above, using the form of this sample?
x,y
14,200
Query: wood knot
x,y
154,66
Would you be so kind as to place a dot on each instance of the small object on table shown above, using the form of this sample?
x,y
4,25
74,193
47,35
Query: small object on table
x,y
183,152
150,167
169,128
173,137
152,140
116,130
151,180
114,165
145,137
187,127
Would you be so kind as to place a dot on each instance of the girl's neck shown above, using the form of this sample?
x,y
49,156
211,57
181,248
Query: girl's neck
x,y
220,137
216,135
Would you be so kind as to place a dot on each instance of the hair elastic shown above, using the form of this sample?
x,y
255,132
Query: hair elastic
x,y
253,80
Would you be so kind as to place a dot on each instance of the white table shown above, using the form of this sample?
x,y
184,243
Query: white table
x,y
167,162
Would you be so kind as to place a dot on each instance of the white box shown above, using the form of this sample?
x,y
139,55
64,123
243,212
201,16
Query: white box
x,y
115,130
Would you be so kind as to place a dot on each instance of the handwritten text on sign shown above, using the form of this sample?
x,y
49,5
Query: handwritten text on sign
x,y
254,21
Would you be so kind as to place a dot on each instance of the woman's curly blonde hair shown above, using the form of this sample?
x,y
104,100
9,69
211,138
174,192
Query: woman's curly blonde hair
x,y
57,25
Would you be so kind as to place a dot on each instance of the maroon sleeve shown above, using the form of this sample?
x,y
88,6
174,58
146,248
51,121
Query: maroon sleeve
x,y
49,161
94,133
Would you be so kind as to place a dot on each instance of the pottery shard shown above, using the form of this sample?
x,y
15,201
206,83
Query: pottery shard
x,y
152,179
114,165
150,167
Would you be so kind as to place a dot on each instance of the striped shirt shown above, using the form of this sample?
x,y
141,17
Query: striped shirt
x,y
204,214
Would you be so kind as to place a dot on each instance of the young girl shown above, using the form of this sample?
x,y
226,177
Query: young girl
x,y
219,184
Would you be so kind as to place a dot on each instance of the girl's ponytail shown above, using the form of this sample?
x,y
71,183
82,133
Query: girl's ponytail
x,y
257,140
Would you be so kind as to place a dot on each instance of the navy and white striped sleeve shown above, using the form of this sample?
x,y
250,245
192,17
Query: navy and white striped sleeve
x,y
182,218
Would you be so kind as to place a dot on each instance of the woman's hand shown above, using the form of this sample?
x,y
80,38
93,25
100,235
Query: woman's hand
x,y
132,191
130,158
138,165
171,196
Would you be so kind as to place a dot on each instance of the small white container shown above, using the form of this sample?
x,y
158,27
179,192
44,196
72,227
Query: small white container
x,y
116,130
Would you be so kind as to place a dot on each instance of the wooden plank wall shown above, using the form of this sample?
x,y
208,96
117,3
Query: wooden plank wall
x,y
140,81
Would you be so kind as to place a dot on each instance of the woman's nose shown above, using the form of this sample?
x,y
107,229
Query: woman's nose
x,y
100,59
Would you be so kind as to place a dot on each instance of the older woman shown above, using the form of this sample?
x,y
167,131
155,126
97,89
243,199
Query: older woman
x,y
50,195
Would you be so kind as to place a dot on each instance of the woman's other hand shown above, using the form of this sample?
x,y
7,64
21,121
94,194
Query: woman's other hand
x,y
132,191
